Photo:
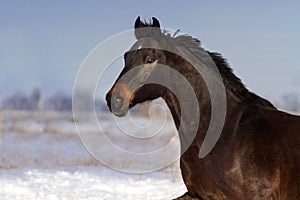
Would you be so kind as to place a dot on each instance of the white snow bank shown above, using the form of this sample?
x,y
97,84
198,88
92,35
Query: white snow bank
x,y
42,157
97,183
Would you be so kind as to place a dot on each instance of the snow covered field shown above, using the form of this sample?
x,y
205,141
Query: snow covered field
x,y
42,157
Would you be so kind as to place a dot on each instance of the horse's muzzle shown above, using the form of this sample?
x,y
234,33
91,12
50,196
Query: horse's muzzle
x,y
116,104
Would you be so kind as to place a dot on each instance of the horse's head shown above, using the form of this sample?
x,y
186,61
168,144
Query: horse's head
x,y
141,61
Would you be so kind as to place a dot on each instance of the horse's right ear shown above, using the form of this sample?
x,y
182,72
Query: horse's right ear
x,y
137,25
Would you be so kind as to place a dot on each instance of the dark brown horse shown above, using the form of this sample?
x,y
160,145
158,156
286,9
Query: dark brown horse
x,y
258,153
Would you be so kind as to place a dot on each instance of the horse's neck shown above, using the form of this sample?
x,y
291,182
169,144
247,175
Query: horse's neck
x,y
174,107
204,103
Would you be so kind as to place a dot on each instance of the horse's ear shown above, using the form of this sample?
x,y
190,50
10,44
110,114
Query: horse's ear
x,y
155,22
156,31
137,23
139,28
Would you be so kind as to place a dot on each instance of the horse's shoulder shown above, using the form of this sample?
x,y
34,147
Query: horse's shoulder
x,y
269,130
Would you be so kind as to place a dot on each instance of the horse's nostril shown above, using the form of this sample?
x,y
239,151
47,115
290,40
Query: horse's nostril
x,y
117,102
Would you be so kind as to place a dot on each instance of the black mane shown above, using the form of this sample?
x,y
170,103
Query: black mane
x,y
231,81
235,84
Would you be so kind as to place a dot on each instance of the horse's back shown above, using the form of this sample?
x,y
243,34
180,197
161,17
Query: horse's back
x,y
270,142
289,135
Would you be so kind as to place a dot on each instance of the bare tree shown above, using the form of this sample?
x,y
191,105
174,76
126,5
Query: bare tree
x,y
35,99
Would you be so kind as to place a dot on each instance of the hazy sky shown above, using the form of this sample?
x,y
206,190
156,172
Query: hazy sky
x,y
43,43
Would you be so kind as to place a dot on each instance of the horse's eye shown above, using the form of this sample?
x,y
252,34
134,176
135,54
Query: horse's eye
x,y
150,60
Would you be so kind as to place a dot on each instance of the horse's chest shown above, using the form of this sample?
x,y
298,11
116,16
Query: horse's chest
x,y
209,180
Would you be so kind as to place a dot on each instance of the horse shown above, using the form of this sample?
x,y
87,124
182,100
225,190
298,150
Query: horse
x,y
257,155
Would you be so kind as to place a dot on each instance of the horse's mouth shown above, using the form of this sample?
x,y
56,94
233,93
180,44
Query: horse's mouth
x,y
120,113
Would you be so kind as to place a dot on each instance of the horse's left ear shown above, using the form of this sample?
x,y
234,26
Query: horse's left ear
x,y
155,22
156,25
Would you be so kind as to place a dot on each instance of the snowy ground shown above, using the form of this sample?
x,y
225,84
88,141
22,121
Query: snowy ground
x,y
42,157
86,182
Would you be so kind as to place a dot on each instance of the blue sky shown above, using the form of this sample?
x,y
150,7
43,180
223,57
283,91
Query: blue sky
x,y
43,43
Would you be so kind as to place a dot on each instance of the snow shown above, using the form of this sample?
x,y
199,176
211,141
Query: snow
x,y
42,157
86,182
